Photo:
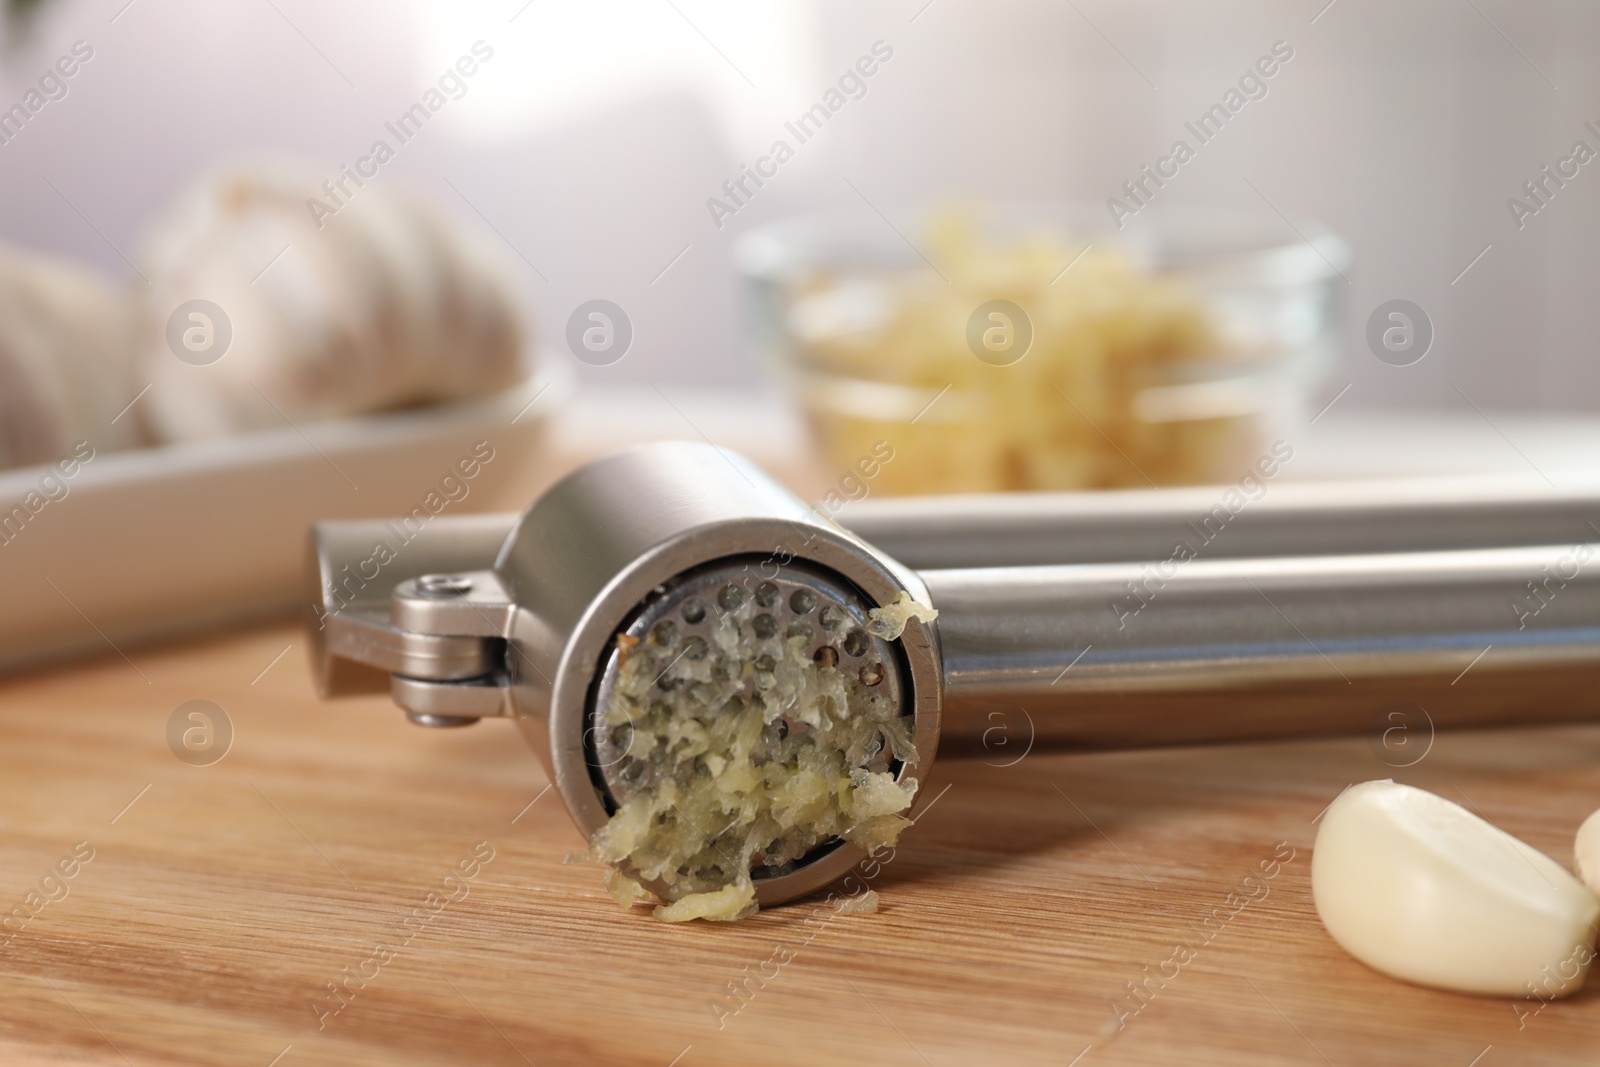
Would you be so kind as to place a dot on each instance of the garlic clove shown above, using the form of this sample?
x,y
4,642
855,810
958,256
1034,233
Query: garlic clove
x,y
1422,889
1586,851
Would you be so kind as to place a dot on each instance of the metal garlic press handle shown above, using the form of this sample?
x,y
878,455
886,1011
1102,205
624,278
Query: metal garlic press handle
x,y
1041,529
686,546
1190,645
1120,655
1252,519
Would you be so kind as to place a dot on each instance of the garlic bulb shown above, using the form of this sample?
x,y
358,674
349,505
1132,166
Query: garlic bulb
x,y
386,304
65,356
1422,889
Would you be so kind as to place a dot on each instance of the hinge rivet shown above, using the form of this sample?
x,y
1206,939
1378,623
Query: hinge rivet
x,y
443,585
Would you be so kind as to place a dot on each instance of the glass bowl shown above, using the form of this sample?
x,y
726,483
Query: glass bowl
x,y
1034,346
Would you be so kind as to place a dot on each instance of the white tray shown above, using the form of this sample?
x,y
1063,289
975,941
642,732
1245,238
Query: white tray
x,y
163,541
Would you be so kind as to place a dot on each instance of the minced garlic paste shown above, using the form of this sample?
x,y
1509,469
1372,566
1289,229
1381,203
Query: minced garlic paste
x,y
1128,378
745,733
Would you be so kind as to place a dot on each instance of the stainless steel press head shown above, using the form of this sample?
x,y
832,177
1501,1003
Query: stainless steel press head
x,y
687,561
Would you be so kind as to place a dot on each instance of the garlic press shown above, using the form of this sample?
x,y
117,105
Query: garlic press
x,y
1084,620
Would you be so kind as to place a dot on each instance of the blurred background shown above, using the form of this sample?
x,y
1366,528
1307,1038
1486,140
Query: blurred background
x,y
595,136
1377,245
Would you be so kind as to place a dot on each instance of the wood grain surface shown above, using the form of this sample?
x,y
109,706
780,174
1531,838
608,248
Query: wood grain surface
x,y
221,900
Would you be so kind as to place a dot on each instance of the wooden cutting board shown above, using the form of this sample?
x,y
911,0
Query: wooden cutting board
x,y
220,900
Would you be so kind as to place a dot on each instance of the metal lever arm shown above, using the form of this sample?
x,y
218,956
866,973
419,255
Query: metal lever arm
x,y
1037,529
1224,522
1116,655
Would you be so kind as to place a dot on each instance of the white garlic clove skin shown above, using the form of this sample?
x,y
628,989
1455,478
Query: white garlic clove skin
x,y
1422,889
1586,851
